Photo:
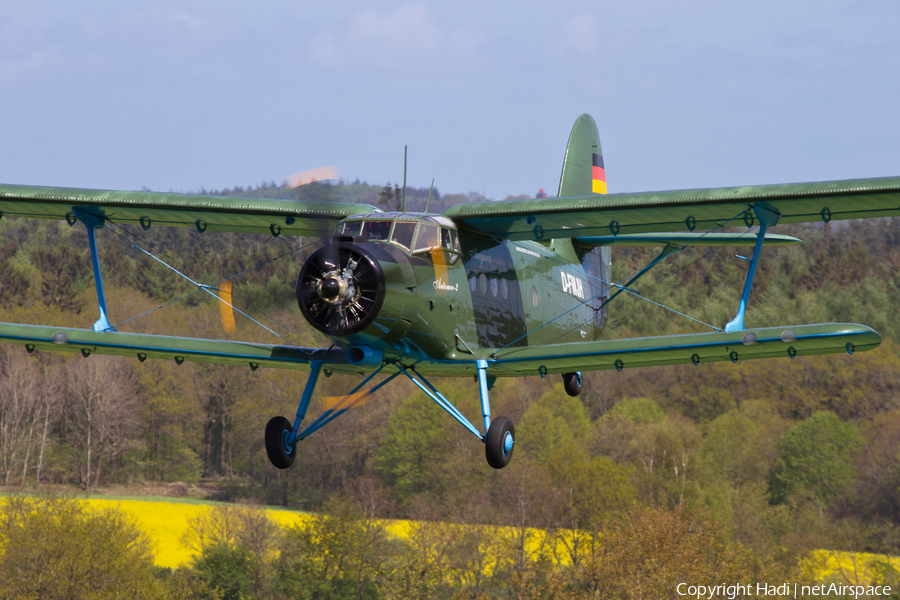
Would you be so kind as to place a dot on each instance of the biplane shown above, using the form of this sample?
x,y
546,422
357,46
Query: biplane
x,y
484,290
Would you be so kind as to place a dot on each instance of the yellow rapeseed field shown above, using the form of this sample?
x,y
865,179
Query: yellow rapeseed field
x,y
166,522
855,568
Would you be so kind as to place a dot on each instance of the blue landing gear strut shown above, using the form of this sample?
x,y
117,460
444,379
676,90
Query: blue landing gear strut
x,y
282,437
499,434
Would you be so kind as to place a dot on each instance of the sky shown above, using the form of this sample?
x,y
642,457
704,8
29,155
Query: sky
x,y
172,95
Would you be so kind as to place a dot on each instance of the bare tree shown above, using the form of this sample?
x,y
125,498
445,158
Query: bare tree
x,y
26,409
101,407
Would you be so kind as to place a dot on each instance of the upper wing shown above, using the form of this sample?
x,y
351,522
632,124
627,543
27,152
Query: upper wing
x,y
680,210
215,213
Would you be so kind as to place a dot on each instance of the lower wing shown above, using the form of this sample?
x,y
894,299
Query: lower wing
x,y
767,342
179,349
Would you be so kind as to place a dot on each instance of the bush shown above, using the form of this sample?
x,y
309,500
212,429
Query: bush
x,y
57,548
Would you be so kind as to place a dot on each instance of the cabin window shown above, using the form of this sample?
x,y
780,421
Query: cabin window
x,y
449,240
403,234
482,283
504,289
495,287
427,238
473,282
376,230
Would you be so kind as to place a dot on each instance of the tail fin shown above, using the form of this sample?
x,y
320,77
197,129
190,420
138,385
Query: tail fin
x,y
583,172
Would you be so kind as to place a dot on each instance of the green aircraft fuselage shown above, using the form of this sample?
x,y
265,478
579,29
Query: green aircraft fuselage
x,y
449,294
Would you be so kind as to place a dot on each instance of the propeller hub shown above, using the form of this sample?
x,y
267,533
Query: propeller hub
x,y
332,289
341,289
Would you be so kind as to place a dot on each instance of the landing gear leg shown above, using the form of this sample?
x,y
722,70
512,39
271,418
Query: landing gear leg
x,y
281,438
499,436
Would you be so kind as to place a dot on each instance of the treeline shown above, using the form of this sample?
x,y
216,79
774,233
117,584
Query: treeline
x,y
59,548
387,197
782,456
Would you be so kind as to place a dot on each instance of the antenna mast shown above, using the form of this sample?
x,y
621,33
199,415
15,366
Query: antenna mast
x,y
428,202
404,179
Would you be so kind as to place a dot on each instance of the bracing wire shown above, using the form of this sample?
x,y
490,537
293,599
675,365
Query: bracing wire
x,y
617,285
210,289
714,250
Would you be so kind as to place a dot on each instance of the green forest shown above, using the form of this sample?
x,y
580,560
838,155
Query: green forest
x,y
713,473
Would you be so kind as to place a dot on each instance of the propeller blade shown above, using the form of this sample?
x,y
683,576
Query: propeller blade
x,y
440,268
225,309
345,402
312,175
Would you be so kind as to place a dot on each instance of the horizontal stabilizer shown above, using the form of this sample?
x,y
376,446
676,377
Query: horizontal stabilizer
x,y
179,349
768,342
687,239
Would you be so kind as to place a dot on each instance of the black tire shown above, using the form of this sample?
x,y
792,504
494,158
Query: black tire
x,y
496,448
572,383
277,431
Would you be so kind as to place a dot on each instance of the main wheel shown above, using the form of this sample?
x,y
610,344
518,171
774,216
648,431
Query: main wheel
x,y
278,432
572,383
498,443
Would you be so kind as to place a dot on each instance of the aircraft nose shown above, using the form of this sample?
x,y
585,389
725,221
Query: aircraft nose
x,y
341,288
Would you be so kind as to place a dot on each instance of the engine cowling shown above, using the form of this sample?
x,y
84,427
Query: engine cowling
x,y
358,291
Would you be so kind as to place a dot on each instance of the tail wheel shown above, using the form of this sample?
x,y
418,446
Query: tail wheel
x,y
281,453
340,289
499,441
572,383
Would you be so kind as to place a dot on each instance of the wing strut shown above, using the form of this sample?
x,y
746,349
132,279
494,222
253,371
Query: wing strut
x,y
92,222
766,218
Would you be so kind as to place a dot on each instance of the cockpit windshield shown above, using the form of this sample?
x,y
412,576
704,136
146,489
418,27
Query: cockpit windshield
x,y
349,228
414,234
428,237
376,230
403,233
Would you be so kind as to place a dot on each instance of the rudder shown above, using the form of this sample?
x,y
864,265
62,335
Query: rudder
x,y
583,172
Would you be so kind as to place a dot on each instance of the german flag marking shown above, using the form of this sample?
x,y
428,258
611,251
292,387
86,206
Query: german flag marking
x,y
598,175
